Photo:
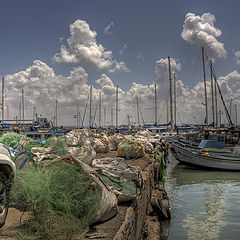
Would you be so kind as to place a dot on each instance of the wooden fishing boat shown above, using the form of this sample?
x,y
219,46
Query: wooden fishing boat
x,y
208,154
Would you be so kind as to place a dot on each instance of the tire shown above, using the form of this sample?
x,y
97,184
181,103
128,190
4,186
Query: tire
x,y
4,198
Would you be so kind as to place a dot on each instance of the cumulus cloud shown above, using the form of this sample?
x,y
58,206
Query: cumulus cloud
x,y
123,49
162,71
200,31
108,28
82,48
42,87
237,56
119,67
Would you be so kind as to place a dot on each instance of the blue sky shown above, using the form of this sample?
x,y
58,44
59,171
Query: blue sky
x,y
150,30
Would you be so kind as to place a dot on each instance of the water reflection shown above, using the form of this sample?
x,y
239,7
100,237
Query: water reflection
x,y
204,204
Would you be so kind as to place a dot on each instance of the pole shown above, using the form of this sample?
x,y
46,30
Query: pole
x,y
20,110
90,108
236,113
220,118
175,98
138,111
2,98
84,114
99,120
112,117
77,116
216,109
213,111
205,86
117,107
170,90
141,116
105,116
155,101
23,105
56,114
167,113
230,108
34,113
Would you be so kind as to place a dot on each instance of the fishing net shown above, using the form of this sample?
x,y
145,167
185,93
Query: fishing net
x,y
131,146
62,197
159,156
12,139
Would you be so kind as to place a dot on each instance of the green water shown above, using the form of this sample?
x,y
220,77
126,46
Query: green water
x,y
205,204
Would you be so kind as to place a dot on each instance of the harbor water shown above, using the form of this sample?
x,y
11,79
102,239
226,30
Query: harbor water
x,y
205,204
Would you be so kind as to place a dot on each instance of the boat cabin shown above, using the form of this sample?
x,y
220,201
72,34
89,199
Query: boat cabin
x,y
215,141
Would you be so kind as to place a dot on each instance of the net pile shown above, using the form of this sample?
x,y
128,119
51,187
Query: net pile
x,y
62,198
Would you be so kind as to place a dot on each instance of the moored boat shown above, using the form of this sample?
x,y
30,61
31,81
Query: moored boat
x,y
208,154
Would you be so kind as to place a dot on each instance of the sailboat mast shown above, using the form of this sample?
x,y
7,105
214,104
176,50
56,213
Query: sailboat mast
x,y
111,116
230,108
117,107
99,117
167,112
205,86
170,90
175,99
2,98
23,105
56,114
90,108
155,91
137,111
236,113
216,109
213,111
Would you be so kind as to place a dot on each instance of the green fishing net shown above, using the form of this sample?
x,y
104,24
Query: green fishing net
x,y
62,197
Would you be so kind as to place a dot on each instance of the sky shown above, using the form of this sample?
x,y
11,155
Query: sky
x,y
54,50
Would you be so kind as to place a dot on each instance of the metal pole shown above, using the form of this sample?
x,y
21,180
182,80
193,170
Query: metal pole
x,y
3,98
99,120
105,116
167,113
216,109
213,111
230,110
23,105
175,98
90,108
220,118
205,86
236,113
111,116
170,90
138,111
155,91
56,113
77,116
117,107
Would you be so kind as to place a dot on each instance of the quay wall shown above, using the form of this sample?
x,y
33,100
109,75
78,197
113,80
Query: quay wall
x,y
133,224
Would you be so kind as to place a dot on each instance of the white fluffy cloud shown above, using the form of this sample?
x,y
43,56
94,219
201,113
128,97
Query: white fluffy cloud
x,y
82,48
200,31
108,28
237,56
162,71
42,87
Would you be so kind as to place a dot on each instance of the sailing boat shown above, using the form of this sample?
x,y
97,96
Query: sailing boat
x,y
210,153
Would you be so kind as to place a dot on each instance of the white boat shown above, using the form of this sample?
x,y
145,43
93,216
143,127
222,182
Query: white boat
x,y
209,154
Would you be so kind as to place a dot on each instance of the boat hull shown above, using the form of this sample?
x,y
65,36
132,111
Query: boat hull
x,y
200,160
